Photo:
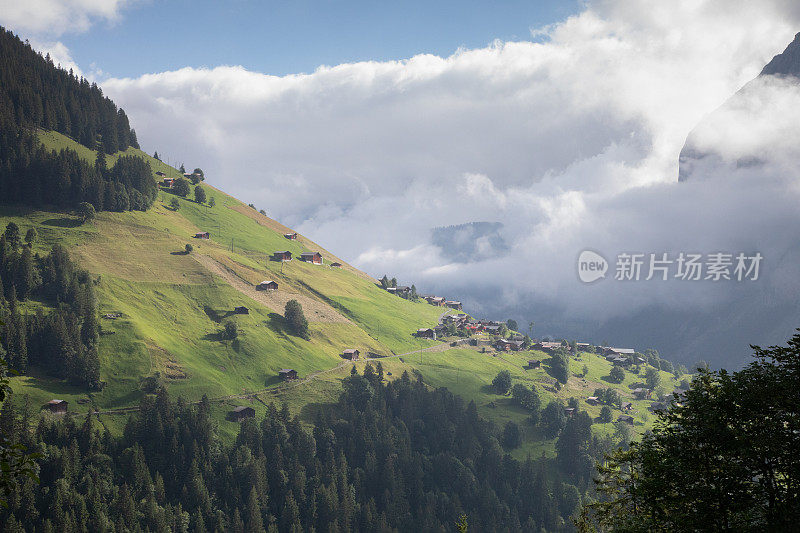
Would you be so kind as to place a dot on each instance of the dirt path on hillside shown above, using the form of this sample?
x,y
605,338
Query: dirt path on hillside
x,y
315,310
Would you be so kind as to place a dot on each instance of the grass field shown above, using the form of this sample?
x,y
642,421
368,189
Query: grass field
x,y
173,306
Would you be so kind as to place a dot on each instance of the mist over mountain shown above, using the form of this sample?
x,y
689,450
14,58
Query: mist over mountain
x,y
755,125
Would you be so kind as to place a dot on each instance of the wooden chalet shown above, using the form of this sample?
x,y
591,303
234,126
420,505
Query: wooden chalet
x,y
438,301
453,304
628,419
267,285
168,182
284,255
57,406
641,393
506,345
426,333
241,310
592,400
403,289
351,353
287,374
291,236
608,350
312,257
534,363
492,330
626,406
549,347
202,235
240,413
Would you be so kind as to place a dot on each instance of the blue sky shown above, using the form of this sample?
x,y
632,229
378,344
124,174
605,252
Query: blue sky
x,y
282,37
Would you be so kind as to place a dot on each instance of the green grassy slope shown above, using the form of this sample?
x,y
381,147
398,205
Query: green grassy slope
x,y
172,306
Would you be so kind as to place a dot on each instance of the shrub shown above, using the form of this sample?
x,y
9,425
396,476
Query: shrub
x,y
502,382
86,211
212,201
181,187
231,330
199,195
189,248
512,436
553,419
293,313
30,235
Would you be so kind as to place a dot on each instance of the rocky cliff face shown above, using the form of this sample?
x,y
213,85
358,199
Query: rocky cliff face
x,y
754,126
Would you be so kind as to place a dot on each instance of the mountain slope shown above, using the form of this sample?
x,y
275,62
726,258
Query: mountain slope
x,y
754,126
172,306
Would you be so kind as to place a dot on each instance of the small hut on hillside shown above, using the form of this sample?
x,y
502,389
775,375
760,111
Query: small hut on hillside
x,y
267,285
288,374
57,406
240,413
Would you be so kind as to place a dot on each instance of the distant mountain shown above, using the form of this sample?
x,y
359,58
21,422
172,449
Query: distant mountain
x,y
748,129
472,241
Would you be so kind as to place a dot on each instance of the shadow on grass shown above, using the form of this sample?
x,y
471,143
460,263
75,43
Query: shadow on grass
x,y
184,252
278,324
63,222
217,315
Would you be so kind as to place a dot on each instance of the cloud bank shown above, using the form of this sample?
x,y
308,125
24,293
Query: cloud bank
x,y
570,143
56,17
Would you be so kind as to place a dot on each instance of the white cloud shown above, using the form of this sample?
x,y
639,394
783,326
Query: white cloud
x,y
570,143
57,17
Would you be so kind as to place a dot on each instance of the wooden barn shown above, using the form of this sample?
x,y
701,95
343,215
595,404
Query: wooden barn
x,y
350,353
438,301
426,333
533,363
312,257
626,406
640,392
452,304
267,285
287,374
160,174
57,406
291,236
168,182
592,400
283,255
336,265
628,419
240,413
202,235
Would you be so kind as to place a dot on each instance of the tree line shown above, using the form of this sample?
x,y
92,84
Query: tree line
x,y
723,456
386,457
36,93
32,175
62,342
